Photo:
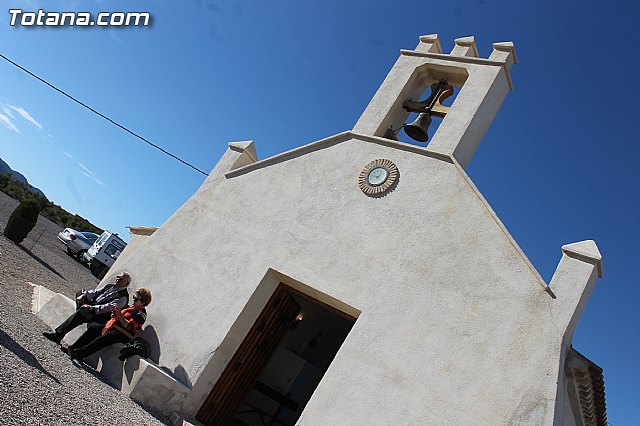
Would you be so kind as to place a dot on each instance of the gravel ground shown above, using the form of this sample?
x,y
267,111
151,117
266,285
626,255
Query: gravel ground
x,y
39,385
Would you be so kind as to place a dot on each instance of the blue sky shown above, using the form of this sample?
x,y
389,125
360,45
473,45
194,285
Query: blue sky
x,y
559,164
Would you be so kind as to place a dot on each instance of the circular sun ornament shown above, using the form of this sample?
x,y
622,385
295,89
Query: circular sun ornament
x,y
377,177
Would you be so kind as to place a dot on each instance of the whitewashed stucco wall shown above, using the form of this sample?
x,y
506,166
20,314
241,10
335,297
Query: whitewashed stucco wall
x,y
455,326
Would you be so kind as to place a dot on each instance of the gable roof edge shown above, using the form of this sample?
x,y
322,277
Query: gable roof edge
x,y
334,140
502,227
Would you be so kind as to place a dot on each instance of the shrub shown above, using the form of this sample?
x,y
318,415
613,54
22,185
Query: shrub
x,y
22,221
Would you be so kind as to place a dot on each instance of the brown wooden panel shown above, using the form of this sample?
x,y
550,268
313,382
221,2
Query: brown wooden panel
x,y
247,363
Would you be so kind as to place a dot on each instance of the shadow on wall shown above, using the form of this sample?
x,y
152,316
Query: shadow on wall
x,y
179,373
130,367
149,334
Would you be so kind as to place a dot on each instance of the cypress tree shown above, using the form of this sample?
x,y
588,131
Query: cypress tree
x,y
22,221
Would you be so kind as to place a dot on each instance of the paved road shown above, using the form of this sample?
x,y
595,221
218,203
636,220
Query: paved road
x,y
39,385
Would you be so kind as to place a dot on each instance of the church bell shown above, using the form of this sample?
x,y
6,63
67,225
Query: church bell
x,y
430,107
419,128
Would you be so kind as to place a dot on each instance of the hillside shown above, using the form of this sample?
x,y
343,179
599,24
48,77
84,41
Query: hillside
x,y
18,177
16,186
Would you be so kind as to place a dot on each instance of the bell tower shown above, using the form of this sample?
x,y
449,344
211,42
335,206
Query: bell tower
x,y
482,85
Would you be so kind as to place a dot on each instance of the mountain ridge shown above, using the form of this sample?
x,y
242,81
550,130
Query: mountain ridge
x,y
15,185
19,177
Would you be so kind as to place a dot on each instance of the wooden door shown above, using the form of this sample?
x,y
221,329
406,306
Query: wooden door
x,y
245,366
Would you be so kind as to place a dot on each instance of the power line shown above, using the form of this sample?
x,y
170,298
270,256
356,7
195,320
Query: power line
x,y
102,115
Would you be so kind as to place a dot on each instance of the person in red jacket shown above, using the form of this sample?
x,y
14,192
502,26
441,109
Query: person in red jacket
x,y
121,328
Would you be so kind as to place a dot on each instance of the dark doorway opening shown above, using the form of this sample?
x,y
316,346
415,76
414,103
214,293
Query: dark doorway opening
x,y
279,364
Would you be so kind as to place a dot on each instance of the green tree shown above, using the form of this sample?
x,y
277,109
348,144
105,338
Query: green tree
x,y
4,180
22,221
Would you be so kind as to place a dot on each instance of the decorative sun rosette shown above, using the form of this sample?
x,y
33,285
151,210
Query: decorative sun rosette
x,y
378,177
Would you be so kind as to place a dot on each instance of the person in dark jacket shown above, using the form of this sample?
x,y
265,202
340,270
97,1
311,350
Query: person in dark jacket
x,y
94,306
121,328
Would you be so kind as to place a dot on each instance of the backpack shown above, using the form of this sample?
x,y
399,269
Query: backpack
x,y
137,346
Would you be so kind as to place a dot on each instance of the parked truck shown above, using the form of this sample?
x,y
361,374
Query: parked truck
x,y
104,252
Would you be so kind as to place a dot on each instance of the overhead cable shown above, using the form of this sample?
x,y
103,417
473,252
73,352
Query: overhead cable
x,y
102,115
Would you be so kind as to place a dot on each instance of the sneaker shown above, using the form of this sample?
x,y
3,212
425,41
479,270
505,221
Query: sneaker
x,y
54,337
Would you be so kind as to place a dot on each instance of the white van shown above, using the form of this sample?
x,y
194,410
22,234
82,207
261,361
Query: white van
x,y
104,252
